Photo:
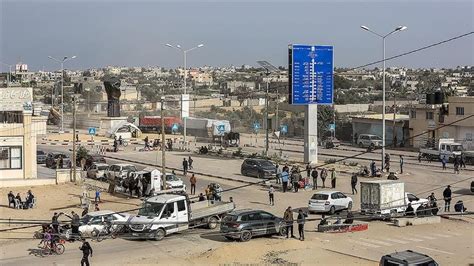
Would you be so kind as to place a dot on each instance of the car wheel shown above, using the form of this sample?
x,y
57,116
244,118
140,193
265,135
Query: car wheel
x,y
160,234
242,172
332,210
283,230
212,223
349,206
361,145
245,236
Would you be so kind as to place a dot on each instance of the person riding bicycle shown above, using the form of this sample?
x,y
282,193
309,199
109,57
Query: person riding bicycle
x,y
47,235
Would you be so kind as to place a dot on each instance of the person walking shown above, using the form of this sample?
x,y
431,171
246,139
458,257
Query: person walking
x,y
288,218
419,157
75,223
86,251
373,168
324,175
308,170
447,198
387,162
193,181
401,164
97,195
295,178
185,166
462,162
301,219
333,178
278,174
443,162
190,162
456,164
314,175
271,197
354,183
55,222
284,179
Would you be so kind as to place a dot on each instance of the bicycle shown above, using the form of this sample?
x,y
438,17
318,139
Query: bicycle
x,y
108,231
58,248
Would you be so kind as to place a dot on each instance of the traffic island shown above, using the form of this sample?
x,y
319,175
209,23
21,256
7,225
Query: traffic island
x,y
402,222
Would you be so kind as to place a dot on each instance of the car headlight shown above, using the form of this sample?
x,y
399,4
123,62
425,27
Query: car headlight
x,y
147,226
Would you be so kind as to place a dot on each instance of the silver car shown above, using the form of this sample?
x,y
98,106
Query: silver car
x,y
97,171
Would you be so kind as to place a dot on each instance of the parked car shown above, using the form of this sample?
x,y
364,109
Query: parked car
x,y
40,157
329,201
367,140
97,171
90,159
258,168
172,181
95,222
245,224
472,186
407,258
52,158
121,170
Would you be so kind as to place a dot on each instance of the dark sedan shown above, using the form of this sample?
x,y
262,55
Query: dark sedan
x,y
258,168
52,158
245,224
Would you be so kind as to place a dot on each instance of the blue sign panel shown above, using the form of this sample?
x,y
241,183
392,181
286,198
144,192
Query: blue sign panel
x,y
332,127
175,127
310,74
284,129
92,131
256,126
221,128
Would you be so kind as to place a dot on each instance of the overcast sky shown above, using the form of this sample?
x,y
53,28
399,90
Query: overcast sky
x,y
133,33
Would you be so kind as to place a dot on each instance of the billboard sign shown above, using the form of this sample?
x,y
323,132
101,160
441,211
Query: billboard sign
x,y
310,74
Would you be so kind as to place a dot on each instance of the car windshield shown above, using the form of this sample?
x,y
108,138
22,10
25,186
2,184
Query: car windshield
x,y
456,148
102,167
40,152
151,209
375,138
172,178
129,168
229,218
265,163
320,197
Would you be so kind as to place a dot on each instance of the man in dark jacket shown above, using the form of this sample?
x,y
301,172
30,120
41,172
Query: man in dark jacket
x,y
86,251
288,218
447,198
55,222
314,175
185,166
75,223
301,219
354,183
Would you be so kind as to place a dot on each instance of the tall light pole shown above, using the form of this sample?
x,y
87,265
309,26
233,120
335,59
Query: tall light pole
x,y
178,47
62,85
397,29
163,139
9,76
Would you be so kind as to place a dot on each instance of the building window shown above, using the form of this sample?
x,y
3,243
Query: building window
x,y
413,113
459,110
429,116
11,117
10,157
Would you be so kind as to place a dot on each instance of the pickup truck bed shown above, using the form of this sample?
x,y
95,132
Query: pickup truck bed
x,y
206,208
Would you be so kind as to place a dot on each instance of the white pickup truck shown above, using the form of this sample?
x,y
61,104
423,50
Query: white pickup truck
x,y
170,213
385,198
446,148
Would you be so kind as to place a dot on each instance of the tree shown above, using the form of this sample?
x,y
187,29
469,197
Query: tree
x,y
82,152
242,92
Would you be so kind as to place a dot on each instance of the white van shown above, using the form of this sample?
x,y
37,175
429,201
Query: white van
x,y
367,140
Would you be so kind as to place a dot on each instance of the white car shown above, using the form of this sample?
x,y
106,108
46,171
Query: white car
x,y
121,170
94,222
367,140
97,171
329,201
173,182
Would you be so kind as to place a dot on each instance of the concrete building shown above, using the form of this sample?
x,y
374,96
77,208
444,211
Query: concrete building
x,y
17,134
431,117
372,124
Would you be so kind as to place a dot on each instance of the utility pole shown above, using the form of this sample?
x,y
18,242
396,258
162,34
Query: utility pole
x,y
163,146
266,119
277,114
74,99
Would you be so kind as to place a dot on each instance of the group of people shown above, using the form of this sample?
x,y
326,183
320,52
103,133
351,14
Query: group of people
x,y
293,178
18,203
213,192
289,221
187,165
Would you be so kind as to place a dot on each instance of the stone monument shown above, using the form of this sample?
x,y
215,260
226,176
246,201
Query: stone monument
x,y
112,88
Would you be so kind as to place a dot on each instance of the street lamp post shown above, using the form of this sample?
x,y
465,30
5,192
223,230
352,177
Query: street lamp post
x,y
62,85
397,29
185,52
9,76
